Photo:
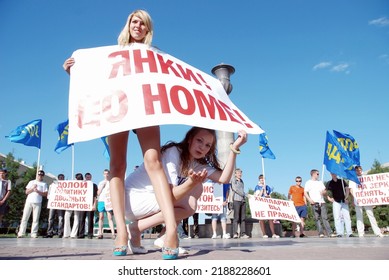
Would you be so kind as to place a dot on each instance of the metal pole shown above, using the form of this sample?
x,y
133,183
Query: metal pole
x,y
224,139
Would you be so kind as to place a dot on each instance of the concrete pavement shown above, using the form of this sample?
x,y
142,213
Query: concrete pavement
x,y
311,248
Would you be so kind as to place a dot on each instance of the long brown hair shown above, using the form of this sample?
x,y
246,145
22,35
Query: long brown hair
x,y
183,147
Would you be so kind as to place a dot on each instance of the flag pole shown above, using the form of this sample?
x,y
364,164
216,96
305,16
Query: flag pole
x,y
263,171
72,162
322,173
37,166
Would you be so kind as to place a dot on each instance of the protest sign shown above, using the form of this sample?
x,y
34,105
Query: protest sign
x,y
211,200
114,89
263,208
374,190
71,195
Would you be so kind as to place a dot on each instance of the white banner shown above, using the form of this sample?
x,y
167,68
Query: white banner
x,y
374,190
71,195
115,89
263,208
211,200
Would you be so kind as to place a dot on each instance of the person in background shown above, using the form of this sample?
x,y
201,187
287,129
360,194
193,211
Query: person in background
x,y
102,191
359,209
138,28
90,215
185,226
59,212
35,191
5,192
337,194
237,187
222,216
77,214
296,194
314,192
263,190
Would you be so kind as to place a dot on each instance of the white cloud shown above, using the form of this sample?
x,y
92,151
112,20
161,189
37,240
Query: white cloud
x,y
343,67
385,58
321,65
382,21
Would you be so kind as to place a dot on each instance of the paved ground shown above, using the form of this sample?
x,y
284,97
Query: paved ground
x,y
312,248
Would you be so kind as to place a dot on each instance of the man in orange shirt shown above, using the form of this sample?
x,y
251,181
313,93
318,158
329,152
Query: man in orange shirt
x,y
296,194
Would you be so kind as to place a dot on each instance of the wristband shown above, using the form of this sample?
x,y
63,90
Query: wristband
x,y
234,151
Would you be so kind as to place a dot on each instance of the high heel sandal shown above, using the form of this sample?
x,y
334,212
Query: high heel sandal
x,y
169,253
120,251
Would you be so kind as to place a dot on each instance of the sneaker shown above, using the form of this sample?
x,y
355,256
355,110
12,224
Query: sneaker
x,y
321,235
196,236
182,251
380,235
275,236
235,236
361,236
184,236
302,235
333,235
136,250
226,236
244,236
339,235
158,242
265,236
214,236
351,235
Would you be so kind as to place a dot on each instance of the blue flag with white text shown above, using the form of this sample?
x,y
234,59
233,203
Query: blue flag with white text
x,y
264,149
350,145
63,132
29,134
337,160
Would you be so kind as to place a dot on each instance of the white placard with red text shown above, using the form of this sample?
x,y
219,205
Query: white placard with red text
x,y
71,195
115,89
211,200
374,190
263,208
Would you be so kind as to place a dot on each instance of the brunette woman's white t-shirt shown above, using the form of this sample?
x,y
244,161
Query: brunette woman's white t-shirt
x,y
139,192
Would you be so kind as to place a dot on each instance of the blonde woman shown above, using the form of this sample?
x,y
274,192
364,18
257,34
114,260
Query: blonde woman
x,y
138,28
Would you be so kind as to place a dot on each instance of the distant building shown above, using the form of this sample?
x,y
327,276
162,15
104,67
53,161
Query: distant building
x,y
49,178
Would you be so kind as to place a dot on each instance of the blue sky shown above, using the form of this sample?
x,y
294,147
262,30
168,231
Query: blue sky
x,y
302,67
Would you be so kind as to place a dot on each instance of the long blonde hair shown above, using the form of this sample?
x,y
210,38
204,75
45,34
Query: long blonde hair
x,y
125,36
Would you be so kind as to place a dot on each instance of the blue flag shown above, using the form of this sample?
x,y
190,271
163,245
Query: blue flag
x,y
350,145
29,134
106,151
337,160
264,149
63,132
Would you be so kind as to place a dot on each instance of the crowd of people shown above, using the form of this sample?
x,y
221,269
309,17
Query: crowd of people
x,y
166,187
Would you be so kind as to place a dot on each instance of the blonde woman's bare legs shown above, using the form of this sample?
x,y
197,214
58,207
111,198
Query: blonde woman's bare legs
x,y
118,163
149,140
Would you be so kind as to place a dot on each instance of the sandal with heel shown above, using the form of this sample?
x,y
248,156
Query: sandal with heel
x,y
120,251
169,253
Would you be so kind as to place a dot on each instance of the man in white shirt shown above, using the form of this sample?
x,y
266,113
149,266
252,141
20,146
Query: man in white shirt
x,y
35,190
359,209
314,192
5,192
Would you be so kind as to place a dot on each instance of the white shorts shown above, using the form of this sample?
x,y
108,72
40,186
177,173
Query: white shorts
x,y
140,203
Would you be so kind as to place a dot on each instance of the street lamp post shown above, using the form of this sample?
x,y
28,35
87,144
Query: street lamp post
x,y
224,139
